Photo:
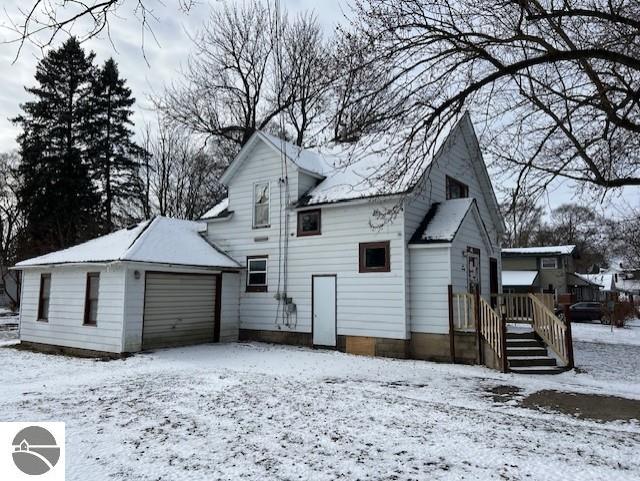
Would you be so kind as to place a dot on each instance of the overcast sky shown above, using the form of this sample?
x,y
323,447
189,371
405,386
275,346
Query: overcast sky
x,y
164,59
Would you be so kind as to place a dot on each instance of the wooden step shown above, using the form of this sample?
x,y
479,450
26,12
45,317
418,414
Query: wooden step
x,y
531,361
535,350
521,335
530,343
539,370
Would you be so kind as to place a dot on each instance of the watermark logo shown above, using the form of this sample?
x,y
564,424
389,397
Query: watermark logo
x,y
33,451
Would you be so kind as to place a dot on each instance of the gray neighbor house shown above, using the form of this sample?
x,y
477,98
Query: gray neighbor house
x,y
549,269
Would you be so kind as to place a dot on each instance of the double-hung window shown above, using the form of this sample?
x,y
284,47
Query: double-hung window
x,y
91,299
257,274
261,205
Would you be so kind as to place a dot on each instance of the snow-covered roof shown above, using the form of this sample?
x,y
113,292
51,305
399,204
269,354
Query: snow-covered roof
x,y
443,220
544,250
160,240
519,278
349,171
217,210
605,281
581,279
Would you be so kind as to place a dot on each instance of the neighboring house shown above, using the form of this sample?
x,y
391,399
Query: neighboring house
x,y
626,279
9,288
607,290
548,269
316,270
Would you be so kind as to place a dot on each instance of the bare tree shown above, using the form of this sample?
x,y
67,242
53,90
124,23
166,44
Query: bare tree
x,y
523,219
556,83
11,219
249,67
179,178
40,22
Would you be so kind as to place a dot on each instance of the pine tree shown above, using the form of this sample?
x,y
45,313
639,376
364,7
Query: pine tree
x,y
113,153
56,192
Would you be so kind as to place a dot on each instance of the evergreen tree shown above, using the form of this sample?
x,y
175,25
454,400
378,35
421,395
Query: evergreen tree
x,y
112,151
56,193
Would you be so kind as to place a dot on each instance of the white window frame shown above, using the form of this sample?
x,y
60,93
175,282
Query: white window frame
x,y
265,272
253,195
555,262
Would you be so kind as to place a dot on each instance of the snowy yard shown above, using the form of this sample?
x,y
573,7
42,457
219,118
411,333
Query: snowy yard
x,y
254,411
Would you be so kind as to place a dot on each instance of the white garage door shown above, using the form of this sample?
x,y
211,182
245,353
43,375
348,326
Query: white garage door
x,y
179,309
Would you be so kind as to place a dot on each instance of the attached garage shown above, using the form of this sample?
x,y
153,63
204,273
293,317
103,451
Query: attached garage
x,y
154,285
180,309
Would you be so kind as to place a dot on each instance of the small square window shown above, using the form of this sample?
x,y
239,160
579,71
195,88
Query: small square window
x,y
309,222
257,274
456,189
374,257
549,263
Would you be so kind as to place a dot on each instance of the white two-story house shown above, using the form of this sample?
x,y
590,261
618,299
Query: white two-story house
x,y
298,253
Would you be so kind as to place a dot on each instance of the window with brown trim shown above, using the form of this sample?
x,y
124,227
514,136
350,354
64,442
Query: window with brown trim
x,y
91,299
375,257
257,274
309,222
456,189
43,297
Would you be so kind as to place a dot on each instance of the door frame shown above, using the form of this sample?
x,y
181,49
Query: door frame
x,y
217,321
474,251
313,278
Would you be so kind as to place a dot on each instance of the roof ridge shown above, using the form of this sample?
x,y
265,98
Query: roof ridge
x,y
132,247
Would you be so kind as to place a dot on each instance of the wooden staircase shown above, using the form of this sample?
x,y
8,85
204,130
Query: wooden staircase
x,y
528,354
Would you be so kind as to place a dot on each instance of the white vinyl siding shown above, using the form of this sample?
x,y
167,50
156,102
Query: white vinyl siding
x,y
230,306
368,304
430,275
66,309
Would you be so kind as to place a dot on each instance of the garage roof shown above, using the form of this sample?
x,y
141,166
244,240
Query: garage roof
x,y
161,240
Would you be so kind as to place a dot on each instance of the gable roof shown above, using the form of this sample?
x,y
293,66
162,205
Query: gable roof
x,y
160,240
444,219
542,250
605,281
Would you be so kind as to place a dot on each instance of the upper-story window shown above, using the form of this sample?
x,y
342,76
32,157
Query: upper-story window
x,y
261,204
456,189
549,263
309,222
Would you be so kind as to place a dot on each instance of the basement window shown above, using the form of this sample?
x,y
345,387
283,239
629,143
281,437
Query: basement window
x,y
43,297
549,263
257,274
309,222
456,189
91,299
374,257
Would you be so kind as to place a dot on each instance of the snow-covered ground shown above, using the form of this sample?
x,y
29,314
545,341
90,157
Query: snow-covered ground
x,y
596,332
255,411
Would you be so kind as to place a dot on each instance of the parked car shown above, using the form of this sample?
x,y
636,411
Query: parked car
x,y
585,311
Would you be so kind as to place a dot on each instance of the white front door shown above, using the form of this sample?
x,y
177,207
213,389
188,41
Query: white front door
x,y
324,310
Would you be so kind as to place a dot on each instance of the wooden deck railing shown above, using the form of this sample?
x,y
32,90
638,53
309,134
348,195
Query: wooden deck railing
x,y
555,333
492,329
518,307
464,313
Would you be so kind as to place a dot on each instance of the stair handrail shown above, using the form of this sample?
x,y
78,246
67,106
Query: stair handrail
x,y
492,329
552,330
